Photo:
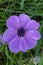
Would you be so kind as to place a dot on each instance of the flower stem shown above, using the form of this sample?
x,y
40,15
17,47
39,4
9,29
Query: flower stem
x,y
20,56
20,59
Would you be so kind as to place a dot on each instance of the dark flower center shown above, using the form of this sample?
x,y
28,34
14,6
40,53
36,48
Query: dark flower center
x,y
21,32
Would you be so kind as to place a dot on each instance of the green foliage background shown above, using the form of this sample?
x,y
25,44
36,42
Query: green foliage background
x,y
33,8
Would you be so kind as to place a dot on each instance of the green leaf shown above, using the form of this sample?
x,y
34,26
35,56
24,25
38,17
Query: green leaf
x,y
31,63
22,4
41,61
1,48
0,0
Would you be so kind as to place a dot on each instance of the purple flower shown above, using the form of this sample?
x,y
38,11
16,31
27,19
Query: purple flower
x,y
22,33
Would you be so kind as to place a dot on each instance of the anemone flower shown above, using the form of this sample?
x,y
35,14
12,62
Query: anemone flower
x,y
22,33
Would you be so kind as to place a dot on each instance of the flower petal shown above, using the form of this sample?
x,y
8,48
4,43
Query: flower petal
x,y
13,22
23,45
32,25
30,41
34,34
24,19
9,34
14,45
